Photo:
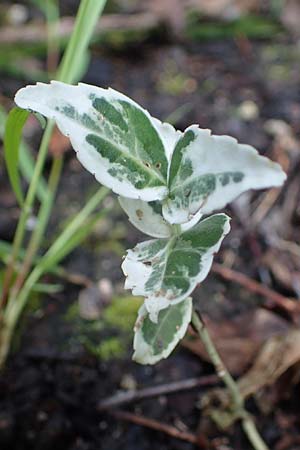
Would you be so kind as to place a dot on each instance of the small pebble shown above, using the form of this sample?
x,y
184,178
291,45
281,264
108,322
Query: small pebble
x,y
17,14
128,382
248,110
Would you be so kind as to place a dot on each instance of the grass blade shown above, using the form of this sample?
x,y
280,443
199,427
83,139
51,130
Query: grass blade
x,y
12,139
52,259
26,160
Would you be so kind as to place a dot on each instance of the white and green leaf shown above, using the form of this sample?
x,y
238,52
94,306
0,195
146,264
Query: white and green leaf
x,y
114,138
146,217
207,172
165,271
155,341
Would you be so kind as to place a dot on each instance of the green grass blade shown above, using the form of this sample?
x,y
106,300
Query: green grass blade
x,y
26,160
12,139
3,117
86,19
47,288
27,167
52,259
5,249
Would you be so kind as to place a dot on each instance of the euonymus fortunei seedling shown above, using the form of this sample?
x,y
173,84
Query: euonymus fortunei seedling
x,y
167,180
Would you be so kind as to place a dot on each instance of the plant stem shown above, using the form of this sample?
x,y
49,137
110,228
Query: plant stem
x,y
252,434
237,399
176,229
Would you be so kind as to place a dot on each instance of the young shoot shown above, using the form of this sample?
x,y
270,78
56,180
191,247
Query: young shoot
x,y
167,180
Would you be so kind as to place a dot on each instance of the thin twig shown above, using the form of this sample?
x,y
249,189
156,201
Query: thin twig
x,y
154,391
72,277
158,426
289,305
35,33
262,210
237,399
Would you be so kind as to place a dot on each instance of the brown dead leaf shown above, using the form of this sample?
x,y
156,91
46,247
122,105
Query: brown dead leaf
x,y
281,265
279,226
283,135
239,340
279,353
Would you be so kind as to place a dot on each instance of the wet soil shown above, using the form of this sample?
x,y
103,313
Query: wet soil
x,y
51,386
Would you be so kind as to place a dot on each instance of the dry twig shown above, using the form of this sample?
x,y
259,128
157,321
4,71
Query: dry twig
x,y
35,33
158,426
285,303
154,391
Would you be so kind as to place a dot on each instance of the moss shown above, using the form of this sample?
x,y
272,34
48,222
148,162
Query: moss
x,y
173,81
110,348
111,335
122,312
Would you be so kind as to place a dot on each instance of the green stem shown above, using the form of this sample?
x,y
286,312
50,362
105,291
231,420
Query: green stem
x,y
177,230
252,434
237,399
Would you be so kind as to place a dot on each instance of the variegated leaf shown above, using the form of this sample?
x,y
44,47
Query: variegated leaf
x,y
155,341
165,271
115,139
192,222
207,172
146,217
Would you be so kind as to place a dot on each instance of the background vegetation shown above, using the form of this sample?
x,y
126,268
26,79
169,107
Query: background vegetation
x,y
232,66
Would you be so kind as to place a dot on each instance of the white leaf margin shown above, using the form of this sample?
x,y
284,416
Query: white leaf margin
x,y
210,154
41,96
143,352
145,219
137,274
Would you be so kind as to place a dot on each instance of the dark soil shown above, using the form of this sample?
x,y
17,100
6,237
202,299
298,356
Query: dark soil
x,y
51,386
